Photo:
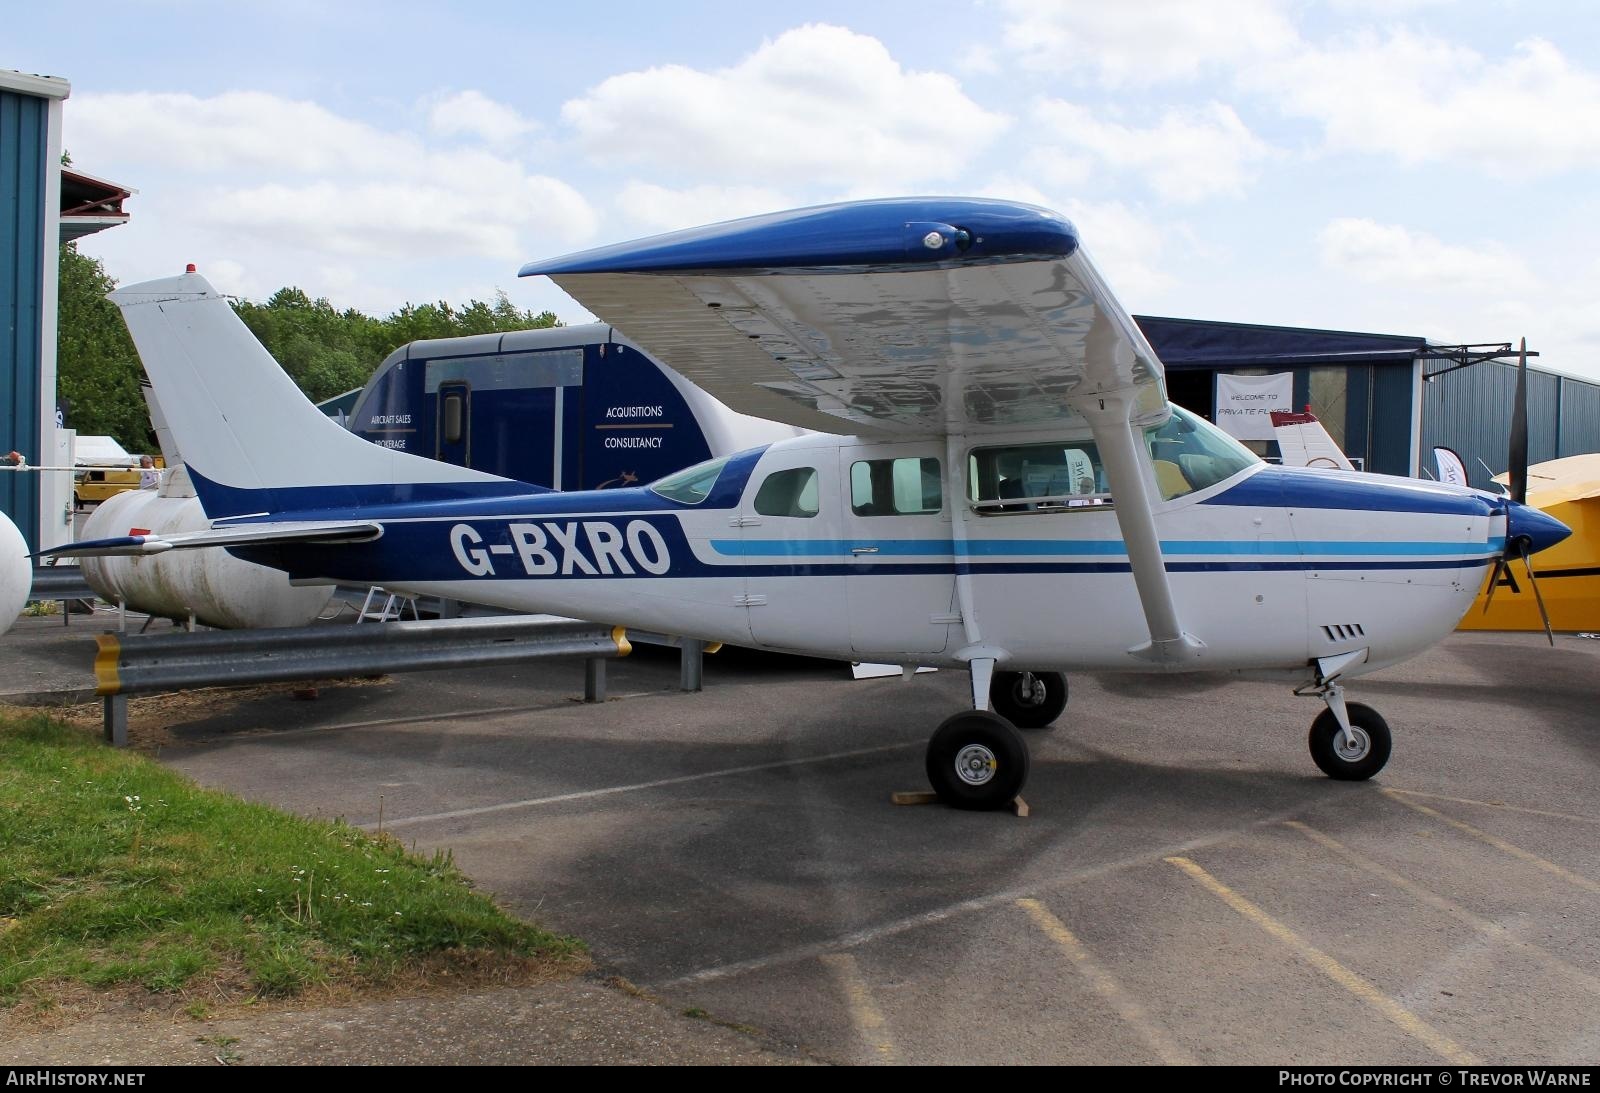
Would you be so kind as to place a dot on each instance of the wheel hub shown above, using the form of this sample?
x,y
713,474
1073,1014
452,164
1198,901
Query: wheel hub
x,y
1028,691
1354,747
975,765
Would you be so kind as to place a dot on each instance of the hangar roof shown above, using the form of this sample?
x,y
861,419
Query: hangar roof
x,y
1198,343
90,204
46,87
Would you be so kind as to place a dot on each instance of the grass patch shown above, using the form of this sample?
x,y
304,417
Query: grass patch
x,y
116,872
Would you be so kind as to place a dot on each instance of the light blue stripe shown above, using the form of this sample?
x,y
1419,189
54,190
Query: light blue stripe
x,y
1097,548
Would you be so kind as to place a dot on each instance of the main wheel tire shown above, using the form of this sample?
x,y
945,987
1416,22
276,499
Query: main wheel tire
x,y
1353,764
1029,700
977,761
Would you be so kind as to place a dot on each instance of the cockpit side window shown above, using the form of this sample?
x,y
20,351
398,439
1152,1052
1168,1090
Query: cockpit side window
x,y
1059,476
1192,454
790,493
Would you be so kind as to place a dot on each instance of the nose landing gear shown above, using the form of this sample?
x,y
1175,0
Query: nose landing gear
x,y
1349,742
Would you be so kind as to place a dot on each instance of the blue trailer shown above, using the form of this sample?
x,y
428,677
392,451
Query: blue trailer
x,y
572,408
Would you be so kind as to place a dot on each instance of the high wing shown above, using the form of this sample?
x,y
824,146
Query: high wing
x,y
282,531
895,317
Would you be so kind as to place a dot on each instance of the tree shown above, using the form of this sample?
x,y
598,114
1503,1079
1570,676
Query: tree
x,y
97,368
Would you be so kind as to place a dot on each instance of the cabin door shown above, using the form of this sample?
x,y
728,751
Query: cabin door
x,y
901,584
789,522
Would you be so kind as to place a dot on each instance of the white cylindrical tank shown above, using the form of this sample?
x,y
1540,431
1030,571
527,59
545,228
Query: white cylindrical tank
x,y
209,583
16,574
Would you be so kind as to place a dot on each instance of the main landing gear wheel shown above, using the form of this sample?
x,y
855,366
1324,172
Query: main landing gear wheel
x,y
1029,700
977,761
1354,760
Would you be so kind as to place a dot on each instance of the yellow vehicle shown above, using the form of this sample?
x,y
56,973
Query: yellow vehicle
x,y
93,485
1569,572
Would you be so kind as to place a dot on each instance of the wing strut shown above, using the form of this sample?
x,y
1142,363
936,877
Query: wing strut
x,y
1119,440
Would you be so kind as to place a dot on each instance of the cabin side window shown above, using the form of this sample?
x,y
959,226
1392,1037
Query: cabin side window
x,y
788,493
895,487
1056,477
691,485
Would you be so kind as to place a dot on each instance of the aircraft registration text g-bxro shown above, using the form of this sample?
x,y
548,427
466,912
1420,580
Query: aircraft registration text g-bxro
x,y
550,548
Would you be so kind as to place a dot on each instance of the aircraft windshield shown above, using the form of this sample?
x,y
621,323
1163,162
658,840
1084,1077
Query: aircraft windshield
x,y
691,485
1191,454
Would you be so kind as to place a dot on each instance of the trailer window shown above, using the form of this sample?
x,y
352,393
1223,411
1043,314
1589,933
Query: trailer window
x,y
692,485
895,487
788,493
453,405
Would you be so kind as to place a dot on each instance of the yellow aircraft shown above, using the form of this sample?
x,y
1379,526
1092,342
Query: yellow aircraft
x,y
1568,573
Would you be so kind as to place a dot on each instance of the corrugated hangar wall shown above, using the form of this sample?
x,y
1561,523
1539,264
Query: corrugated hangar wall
x,y
1360,385
1470,410
24,152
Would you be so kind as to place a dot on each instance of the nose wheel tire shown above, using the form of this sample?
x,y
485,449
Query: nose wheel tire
x,y
1355,760
1029,700
977,761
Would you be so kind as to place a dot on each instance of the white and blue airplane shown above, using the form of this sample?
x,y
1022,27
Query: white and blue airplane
x,y
995,482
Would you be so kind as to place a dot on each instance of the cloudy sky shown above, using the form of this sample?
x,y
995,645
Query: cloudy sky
x,y
1425,168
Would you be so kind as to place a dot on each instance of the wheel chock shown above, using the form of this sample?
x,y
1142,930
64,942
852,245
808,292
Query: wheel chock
x,y
928,797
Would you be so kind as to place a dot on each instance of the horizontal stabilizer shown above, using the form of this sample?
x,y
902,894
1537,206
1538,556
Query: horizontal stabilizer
x,y
295,531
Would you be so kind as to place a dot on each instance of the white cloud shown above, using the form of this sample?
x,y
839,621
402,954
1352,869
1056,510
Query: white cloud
x,y
237,130
1391,254
1421,100
1127,247
1189,155
659,209
472,113
300,176
405,219
1143,42
820,104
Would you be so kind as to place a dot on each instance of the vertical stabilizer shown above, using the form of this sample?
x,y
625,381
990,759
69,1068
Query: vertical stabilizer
x,y
252,441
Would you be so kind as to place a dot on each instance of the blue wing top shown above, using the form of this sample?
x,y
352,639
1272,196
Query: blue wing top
x,y
909,316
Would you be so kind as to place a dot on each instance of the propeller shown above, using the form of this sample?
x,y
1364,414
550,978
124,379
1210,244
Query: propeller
x,y
1519,542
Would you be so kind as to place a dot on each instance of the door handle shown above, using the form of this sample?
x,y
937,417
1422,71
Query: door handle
x,y
863,550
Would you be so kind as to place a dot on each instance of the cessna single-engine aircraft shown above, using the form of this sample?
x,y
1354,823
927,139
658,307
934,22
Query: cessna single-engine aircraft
x,y
996,483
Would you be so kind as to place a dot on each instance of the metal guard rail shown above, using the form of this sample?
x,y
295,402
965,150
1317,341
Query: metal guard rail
x,y
59,582
136,664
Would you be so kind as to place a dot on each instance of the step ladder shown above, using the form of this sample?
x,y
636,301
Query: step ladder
x,y
390,606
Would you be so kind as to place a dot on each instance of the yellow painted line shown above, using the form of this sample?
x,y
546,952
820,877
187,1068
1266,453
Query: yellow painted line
x,y
1407,1021
1500,844
620,636
1484,926
107,681
1168,1050
864,1012
1500,805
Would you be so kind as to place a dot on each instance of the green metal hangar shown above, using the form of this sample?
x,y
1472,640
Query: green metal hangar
x,y
1386,399
42,205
